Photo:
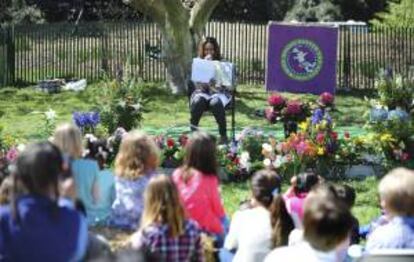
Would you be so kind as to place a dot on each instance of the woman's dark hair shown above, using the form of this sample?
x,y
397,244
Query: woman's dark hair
x,y
37,169
213,41
305,182
201,153
98,150
266,187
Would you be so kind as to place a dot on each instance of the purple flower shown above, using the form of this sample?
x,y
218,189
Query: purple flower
x,y
79,119
317,116
94,118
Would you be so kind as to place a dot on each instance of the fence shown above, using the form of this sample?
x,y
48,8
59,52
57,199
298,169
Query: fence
x,y
31,53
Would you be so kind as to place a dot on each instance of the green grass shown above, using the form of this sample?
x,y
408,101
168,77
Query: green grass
x,y
166,112
19,115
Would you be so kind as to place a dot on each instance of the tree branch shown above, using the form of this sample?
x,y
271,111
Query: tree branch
x,y
153,8
201,12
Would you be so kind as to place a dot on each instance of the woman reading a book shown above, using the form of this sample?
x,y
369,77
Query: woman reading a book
x,y
213,96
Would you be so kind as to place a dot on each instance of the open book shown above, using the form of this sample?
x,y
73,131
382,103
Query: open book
x,y
205,70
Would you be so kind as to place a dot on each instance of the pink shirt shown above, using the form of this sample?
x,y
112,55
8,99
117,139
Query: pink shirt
x,y
201,199
294,206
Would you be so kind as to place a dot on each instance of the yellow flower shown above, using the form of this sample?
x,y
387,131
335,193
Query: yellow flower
x,y
304,125
386,138
324,124
321,151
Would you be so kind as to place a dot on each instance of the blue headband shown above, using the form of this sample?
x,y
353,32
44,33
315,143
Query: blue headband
x,y
275,192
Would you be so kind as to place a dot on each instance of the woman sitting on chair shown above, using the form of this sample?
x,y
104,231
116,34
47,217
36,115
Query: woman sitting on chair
x,y
213,96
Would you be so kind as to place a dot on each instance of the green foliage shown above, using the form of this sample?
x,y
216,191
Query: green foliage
x,y
314,11
19,12
121,103
399,14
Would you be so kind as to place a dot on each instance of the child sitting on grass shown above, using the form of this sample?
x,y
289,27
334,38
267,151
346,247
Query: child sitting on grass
x,y
105,182
255,231
296,195
34,227
165,233
135,164
396,192
198,185
68,139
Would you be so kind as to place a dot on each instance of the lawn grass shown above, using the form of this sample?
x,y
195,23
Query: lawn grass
x,y
169,113
165,112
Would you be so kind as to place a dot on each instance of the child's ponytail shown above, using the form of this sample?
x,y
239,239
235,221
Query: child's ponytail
x,y
281,222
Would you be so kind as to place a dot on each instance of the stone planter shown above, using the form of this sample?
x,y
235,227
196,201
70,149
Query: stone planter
x,y
362,171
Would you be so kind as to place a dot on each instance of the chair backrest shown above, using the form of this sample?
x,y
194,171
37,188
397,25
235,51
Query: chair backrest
x,y
386,255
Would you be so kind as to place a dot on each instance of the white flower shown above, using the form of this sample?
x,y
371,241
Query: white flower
x,y
91,138
267,162
50,114
267,147
21,147
278,162
245,160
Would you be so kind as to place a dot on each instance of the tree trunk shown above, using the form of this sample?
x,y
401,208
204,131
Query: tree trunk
x,y
178,53
181,26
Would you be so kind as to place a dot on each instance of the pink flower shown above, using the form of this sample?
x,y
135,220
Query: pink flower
x,y
12,154
326,99
294,107
301,148
277,101
270,115
334,135
405,156
320,137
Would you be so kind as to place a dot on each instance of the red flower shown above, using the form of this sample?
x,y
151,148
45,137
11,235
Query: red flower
x,y
170,142
326,99
347,135
320,137
334,135
277,101
236,161
294,107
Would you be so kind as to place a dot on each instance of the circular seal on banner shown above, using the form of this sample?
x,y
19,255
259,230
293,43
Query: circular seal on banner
x,y
302,59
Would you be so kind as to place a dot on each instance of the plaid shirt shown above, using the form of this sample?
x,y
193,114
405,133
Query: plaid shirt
x,y
155,242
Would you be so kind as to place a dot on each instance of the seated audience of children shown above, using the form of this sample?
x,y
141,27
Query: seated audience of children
x,y
198,185
135,164
327,224
255,231
396,192
174,213
166,234
34,227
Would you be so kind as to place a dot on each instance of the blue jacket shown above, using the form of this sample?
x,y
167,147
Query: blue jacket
x,y
44,233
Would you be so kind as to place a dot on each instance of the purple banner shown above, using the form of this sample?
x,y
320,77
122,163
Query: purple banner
x,y
301,58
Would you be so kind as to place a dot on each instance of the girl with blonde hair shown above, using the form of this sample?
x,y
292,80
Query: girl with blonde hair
x,y
135,164
165,233
68,138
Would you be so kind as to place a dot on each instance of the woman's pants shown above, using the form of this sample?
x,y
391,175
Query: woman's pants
x,y
200,104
